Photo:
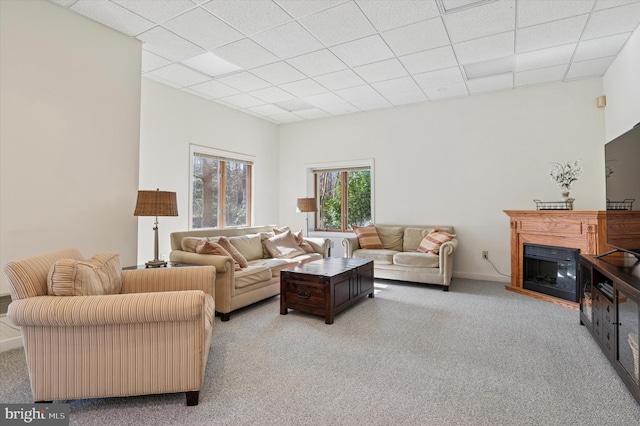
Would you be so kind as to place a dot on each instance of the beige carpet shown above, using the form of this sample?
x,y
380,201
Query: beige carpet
x,y
413,355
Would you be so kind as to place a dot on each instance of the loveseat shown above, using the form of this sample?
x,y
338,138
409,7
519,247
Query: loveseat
x,y
239,284
396,254
93,330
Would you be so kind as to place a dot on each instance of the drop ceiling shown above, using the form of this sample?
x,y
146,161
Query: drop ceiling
x,y
294,60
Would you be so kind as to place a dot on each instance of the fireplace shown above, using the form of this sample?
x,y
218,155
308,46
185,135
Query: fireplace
x,y
551,270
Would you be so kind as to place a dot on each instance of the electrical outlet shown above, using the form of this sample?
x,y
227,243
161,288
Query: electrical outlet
x,y
485,255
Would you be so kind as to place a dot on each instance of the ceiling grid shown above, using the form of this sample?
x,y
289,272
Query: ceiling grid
x,y
295,60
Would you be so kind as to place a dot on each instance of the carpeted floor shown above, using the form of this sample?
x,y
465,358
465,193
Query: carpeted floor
x,y
413,355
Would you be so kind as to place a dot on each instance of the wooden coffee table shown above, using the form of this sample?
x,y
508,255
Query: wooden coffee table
x,y
325,287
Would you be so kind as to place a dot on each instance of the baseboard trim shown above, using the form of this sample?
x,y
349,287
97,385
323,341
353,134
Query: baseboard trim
x,y
482,277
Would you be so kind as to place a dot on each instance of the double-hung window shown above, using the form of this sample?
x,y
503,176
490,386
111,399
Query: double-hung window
x,y
220,188
344,196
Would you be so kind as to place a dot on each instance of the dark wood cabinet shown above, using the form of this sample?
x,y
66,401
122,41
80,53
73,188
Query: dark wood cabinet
x,y
610,309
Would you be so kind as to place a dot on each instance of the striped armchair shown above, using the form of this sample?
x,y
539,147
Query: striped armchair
x,y
152,338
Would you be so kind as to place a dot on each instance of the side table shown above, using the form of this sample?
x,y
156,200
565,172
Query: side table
x,y
169,265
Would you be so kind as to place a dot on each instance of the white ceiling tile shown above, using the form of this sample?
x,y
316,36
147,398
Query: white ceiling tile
x,y
545,57
210,64
272,95
168,45
288,40
112,15
151,61
203,28
403,98
302,88
375,102
243,100
591,68
430,60
64,3
249,17
481,21
317,63
158,10
340,109
485,48
541,75
490,84
417,37
313,113
266,110
353,94
600,47
180,75
445,77
287,117
389,14
294,105
622,19
339,24
551,34
383,70
397,85
340,80
538,12
300,8
244,81
278,73
363,51
324,99
246,53
215,89
455,90
606,4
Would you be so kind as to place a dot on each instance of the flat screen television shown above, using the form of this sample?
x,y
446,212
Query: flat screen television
x,y
622,171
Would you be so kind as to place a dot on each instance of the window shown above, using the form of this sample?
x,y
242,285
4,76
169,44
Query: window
x,y
344,197
221,189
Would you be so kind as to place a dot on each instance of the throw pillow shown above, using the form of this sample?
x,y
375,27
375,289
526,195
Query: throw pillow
x,y
283,246
237,256
367,237
100,275
210,247
265,236
304,245
433,240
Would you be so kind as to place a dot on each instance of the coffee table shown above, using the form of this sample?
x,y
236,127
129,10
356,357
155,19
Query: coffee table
x,y
325,287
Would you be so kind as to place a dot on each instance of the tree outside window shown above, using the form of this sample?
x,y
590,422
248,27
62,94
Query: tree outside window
x,y
344,198
221,192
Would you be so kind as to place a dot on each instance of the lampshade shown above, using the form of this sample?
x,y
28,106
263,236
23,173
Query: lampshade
x,y
306,205
156,203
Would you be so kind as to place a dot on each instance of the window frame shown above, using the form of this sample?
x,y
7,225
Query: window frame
x,y
223,156
312,169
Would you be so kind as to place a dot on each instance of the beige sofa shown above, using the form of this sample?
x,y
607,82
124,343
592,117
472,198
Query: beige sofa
x,y
258,281
399,258
157,329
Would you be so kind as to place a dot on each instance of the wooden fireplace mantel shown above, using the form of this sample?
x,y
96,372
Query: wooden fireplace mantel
x,y
579,229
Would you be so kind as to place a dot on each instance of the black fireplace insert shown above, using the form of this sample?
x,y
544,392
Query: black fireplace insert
x,y
551,270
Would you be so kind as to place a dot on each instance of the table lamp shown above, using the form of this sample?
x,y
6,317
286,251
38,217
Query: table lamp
x,y
156,203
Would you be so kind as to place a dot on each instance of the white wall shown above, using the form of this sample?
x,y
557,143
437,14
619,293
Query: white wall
x,y
170,121
461,161
70,112
622,88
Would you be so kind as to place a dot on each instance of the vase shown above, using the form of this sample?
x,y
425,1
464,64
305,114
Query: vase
x,y
565,195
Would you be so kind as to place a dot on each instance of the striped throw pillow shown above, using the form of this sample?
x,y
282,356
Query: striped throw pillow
x,y
100,275
367,237
210,247
433,240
